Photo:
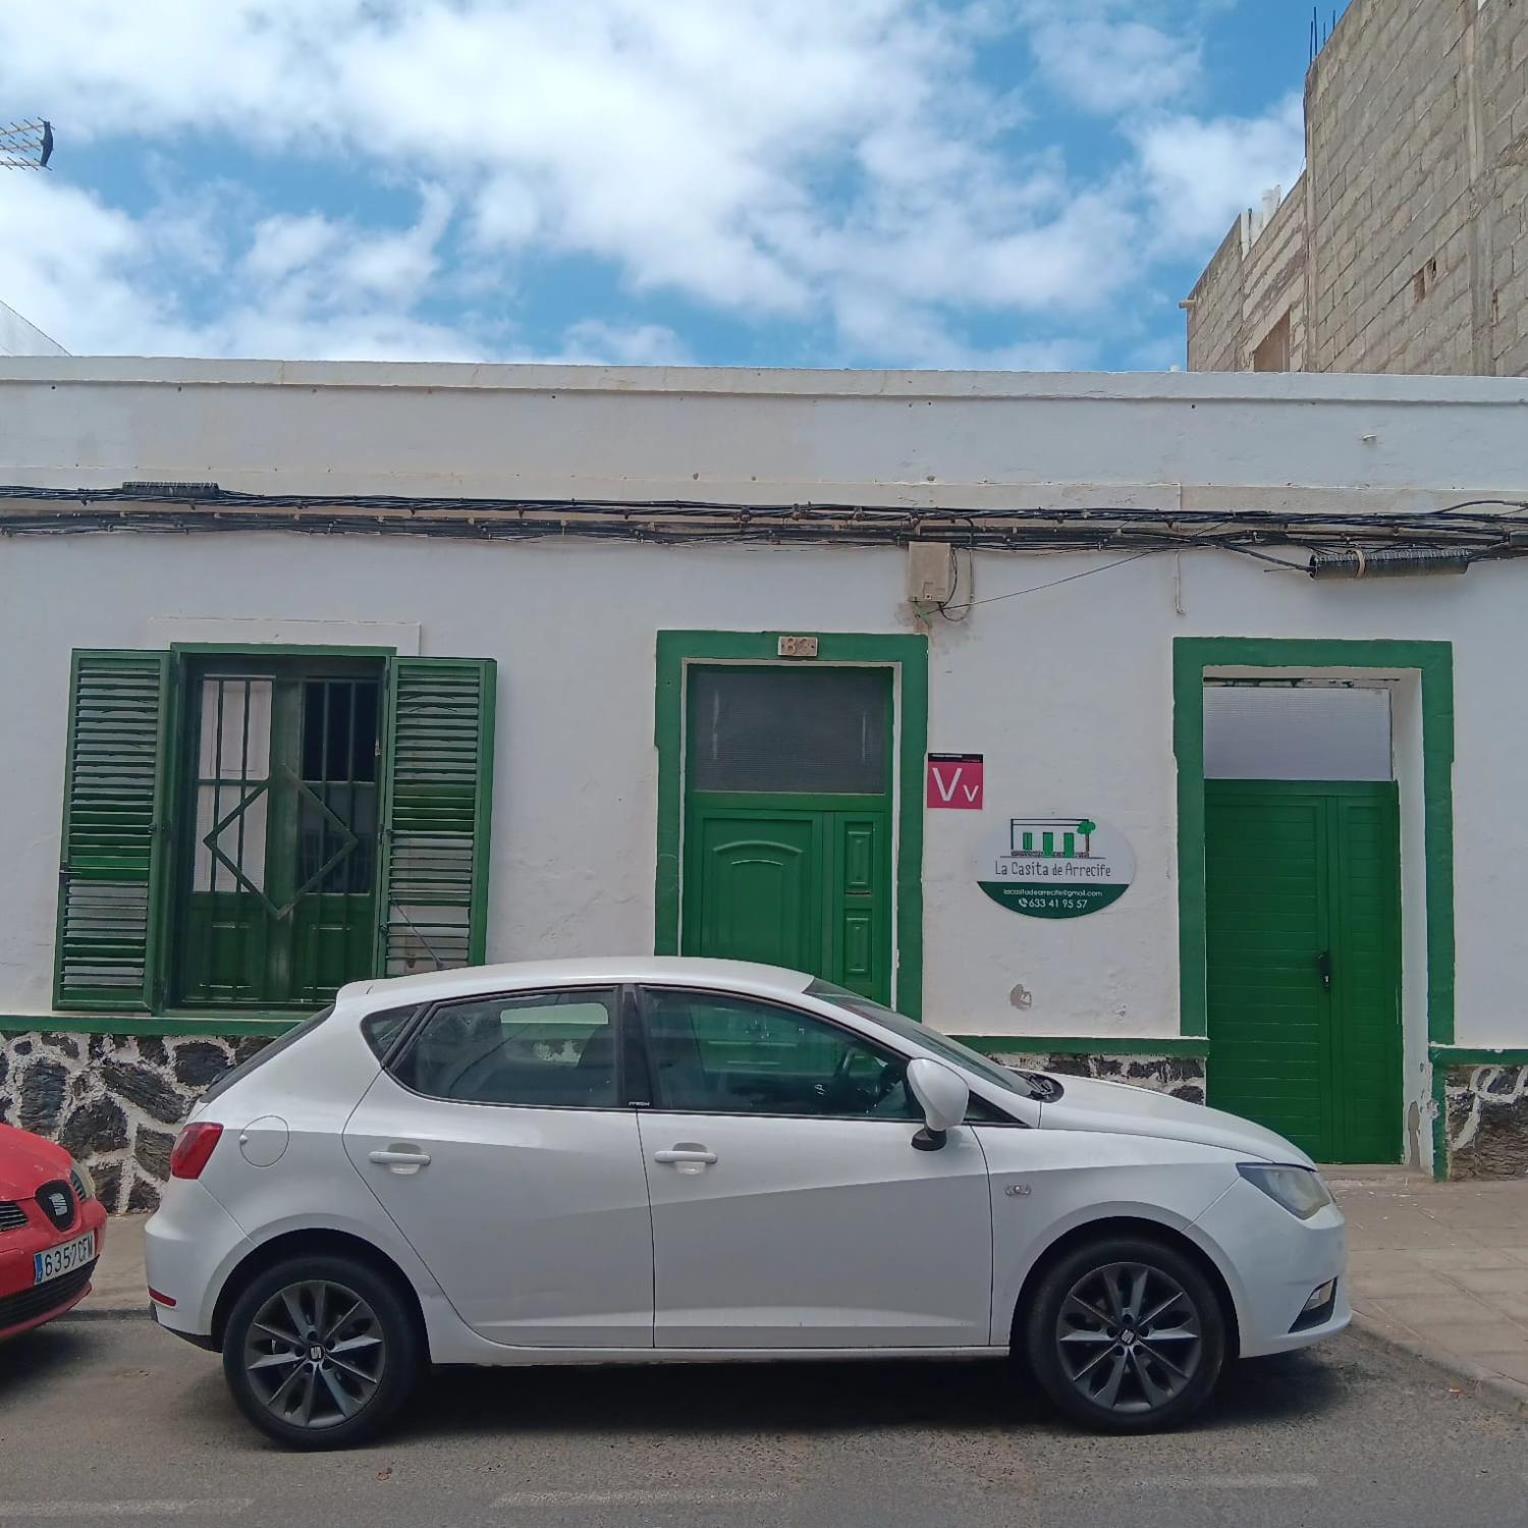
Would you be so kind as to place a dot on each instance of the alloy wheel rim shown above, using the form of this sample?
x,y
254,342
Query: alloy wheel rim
x,y
314,1354
1129,1337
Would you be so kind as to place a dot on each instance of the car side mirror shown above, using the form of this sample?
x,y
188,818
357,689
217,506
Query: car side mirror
x,y
944,1097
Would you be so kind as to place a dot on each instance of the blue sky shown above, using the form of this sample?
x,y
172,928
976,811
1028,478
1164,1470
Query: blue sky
x,y
1006,183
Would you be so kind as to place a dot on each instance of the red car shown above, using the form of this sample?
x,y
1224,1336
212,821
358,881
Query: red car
x,y
52,1228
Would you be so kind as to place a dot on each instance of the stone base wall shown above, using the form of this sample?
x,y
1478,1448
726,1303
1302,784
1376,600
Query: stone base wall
x,y
1487,1121
115,1101
1181,1076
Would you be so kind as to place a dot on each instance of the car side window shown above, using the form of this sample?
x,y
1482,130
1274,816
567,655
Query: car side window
x,y
715,1054
382,1030
549,1050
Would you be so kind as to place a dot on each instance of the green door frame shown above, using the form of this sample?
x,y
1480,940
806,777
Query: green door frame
x,y
907,656
1433,662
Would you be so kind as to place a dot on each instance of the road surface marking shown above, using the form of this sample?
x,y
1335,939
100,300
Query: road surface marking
x,y
1228,1483
634,1498
1184,1483
225,1507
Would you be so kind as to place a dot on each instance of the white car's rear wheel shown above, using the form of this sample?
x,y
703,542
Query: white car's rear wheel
x,y
320,1352
1125,1335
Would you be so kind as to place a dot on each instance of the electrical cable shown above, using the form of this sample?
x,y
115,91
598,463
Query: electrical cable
x,y
1055,583
947,605
1448,509
1247,551
175,507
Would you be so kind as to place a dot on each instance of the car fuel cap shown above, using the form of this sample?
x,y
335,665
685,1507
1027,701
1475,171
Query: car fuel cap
x,y
263,1140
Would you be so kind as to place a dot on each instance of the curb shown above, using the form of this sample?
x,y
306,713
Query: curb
x,y
106,1313
1497,1391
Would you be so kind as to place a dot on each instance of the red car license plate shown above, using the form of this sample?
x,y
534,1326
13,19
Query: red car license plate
x,y
57,1261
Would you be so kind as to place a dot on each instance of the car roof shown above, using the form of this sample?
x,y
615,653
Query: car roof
x,y
429,986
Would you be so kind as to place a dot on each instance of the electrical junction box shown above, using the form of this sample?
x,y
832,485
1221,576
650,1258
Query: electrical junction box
x,y
930,572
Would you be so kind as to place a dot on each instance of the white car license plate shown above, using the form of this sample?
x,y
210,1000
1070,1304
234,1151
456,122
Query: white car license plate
x,y
57,1261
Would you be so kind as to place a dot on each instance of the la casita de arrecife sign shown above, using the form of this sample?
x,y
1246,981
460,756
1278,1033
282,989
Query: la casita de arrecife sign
x,y
1057,867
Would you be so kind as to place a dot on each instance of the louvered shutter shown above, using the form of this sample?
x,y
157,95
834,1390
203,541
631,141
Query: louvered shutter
x,y
114,830
437,794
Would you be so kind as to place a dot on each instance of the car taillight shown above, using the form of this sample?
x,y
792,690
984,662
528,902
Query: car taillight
x,y
192,1149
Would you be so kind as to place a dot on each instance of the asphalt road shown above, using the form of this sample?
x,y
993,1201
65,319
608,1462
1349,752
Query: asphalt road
x,y
109,1420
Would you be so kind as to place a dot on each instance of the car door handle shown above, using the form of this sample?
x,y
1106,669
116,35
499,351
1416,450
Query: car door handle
x,y
401,1161
695,1155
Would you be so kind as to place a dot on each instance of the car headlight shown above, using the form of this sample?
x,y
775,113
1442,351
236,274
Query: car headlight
x,y
1299,1189
84,1184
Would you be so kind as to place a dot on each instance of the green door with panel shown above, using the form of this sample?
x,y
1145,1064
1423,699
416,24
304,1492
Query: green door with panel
x,y
788,820
1303,919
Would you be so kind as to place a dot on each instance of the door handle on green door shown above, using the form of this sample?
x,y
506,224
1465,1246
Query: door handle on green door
x,y
1324,969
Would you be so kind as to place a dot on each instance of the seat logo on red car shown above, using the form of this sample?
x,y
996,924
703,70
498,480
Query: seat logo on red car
x,y
57,1203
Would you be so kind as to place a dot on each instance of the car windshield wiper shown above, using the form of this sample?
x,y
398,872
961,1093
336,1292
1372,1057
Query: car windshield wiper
x,y
1046,1089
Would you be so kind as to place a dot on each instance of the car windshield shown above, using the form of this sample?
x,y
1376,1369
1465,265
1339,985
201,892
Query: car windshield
x,y
931,1039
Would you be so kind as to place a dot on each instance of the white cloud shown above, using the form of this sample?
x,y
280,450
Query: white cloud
x,y
305,288
399,265
362,335
1201,174
287,243
80,270
506,214
1106,62
909,334
595,342
842,165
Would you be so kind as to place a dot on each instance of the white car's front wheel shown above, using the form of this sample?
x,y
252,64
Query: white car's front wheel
x,y
320,1352
1125,1334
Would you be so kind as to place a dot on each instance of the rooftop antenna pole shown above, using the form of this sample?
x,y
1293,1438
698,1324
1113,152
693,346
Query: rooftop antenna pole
x,y
26,145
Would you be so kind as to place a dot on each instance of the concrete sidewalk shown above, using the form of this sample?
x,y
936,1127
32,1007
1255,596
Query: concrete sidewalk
x,y
119,1287
1439,1269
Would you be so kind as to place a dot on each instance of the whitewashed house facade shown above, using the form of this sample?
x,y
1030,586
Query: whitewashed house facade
x,y
1010,700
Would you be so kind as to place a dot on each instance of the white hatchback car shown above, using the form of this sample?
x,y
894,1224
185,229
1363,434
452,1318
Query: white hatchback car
x,y
669,1159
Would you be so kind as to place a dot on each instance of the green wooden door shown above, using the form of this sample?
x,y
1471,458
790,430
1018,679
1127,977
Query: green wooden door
x,y
1303,918
779,865
807,887
757,890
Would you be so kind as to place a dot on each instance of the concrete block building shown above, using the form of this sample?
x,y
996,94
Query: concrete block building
x,y
1009,700
1404,245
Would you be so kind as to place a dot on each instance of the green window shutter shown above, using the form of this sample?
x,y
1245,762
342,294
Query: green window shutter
x,y
437,795
114,834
